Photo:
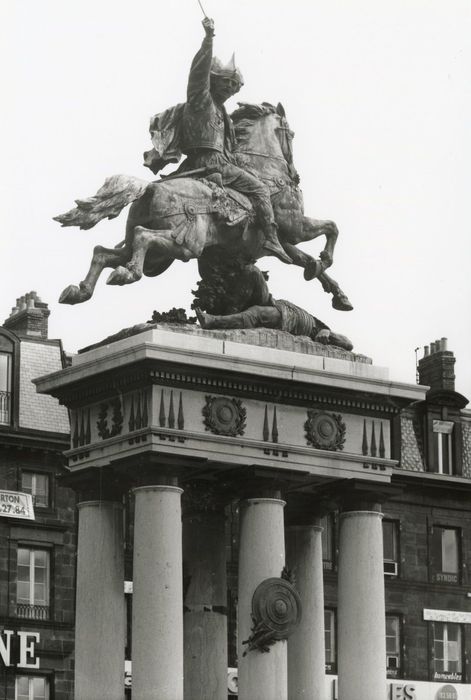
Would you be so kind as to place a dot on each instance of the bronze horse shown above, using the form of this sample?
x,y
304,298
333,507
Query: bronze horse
x,y
179,217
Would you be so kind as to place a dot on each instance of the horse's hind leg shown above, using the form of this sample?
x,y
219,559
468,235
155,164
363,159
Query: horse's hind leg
x,y
102,257
160,242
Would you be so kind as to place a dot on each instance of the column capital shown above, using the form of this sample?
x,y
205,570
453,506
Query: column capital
x,y
158,487
206,497
96,484
361,514
305,510
357,495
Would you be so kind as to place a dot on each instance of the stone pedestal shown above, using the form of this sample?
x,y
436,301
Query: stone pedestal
x,y
250,409
157,624
361,607
306,647
205,601
100,612
262,676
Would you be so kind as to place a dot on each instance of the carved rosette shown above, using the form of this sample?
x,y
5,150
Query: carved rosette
x,y
326,431
276,612
224,416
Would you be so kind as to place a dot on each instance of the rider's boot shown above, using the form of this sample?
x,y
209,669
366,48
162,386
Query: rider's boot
x,y
271,245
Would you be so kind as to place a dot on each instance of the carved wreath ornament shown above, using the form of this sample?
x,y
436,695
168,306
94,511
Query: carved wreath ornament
x,y
276,612
326,431
116,419
224,416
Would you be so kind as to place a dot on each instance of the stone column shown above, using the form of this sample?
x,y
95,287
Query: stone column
x,y
205,605
262,676
100,610
306,647
361,607
157,621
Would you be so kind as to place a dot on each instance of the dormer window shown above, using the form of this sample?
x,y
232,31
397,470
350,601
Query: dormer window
x,y
443,442
6,355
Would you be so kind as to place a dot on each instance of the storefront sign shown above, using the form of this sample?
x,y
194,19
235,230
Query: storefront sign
x,y
14,504
27,657
448,692
399,691
455,676
447,616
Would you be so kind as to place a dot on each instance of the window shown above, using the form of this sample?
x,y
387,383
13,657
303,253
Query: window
x,y
445,554
32,587
447,652
393,645
330,641
5,388
37,484
390,547
327,523
443,442
31,688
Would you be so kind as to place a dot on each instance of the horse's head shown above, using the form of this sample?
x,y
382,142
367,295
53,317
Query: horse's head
x,y
263,130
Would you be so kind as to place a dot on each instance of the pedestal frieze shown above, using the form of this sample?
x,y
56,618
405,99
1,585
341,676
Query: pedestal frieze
x,y
224,416
326,431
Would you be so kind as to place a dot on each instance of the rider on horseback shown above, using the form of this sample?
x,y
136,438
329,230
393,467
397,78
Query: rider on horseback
x,y
208,134
202,129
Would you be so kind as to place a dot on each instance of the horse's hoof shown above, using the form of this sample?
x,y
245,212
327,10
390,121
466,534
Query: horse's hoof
x,y
74,295
121,275
313,269
341,302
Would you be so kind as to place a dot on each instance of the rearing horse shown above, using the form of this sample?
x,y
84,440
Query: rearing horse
x,y
178,217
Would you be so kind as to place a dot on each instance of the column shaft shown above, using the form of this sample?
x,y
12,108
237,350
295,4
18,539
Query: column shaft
x,y
262,676
205,615
100,610
157,624
306,647
361,611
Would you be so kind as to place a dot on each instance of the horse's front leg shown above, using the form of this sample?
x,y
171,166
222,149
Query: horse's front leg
x,y
340,301
102,257
313,228
314,268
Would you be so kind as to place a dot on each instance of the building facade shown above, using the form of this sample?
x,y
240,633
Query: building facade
x,y
37,516
427,546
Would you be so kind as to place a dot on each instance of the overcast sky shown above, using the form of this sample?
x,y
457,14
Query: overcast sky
x,y
378,93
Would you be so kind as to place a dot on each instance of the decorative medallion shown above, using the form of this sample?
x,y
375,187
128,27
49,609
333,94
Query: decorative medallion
x,y
326,431
116,419
276,612
224,416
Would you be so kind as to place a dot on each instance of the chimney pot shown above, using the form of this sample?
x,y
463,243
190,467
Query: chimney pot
x,y
426,351
28,318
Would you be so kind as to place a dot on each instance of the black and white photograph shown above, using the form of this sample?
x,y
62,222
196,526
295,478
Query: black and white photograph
x,y
235,438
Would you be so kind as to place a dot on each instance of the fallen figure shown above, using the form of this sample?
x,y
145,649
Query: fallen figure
x,y
282,315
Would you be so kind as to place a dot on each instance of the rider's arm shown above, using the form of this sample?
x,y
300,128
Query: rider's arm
x,y
198,82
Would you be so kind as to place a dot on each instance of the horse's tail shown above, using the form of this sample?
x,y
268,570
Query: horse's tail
x,y
117,192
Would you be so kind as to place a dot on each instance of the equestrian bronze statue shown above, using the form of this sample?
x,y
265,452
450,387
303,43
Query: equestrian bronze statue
x,y
236,194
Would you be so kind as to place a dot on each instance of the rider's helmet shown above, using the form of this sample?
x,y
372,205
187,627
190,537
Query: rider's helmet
x,y
230,70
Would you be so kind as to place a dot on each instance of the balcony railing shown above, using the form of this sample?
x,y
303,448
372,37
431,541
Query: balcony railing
x,y
5,403
32,612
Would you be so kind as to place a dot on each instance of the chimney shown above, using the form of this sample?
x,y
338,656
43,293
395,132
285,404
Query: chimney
x,y
29,317
436,368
